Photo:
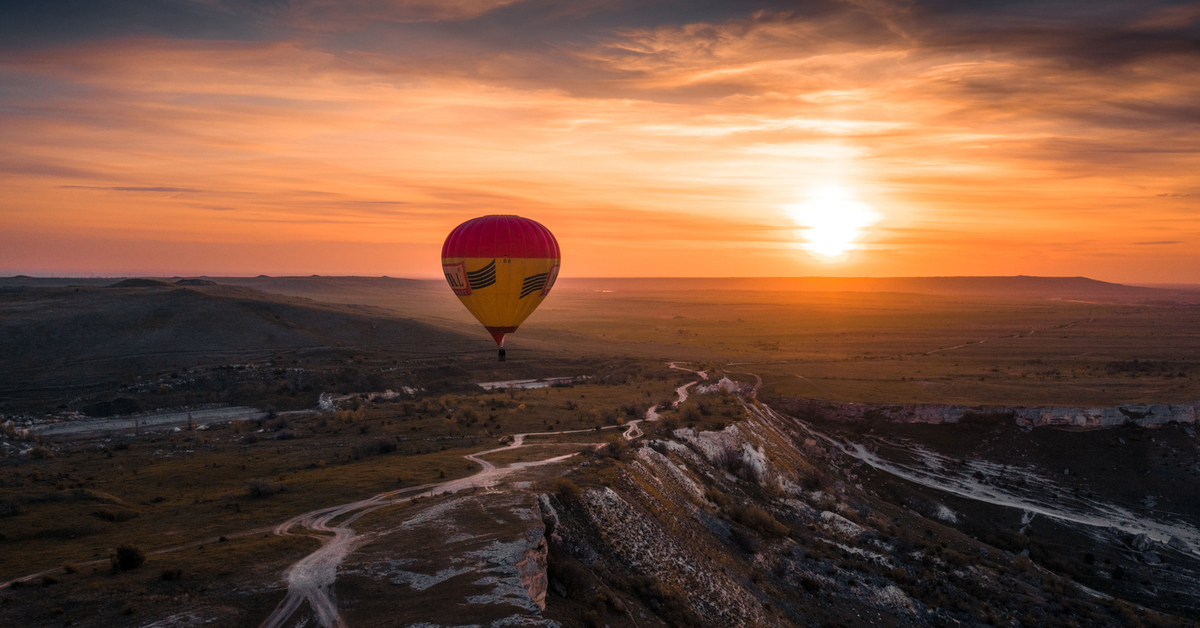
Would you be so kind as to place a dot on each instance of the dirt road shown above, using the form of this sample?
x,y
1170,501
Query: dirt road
x,y
634,431
312,578
200,417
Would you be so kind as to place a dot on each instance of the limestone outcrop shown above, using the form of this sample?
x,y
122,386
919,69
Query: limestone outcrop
x,y
1141,414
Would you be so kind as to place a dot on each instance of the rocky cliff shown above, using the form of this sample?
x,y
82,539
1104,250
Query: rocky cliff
x,y
1141,414
760,525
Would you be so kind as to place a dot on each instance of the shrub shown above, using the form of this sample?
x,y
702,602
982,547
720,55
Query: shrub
x,y
41,453
616,447
566,489
743,540
171,574
729,458
259,487
115,516
128,557
634,410
758,520
379,446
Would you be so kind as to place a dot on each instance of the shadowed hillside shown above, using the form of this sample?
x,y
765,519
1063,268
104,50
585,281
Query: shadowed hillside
x,y
72,336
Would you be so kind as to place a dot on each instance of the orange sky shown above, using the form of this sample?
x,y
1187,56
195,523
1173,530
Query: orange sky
x,y
654,139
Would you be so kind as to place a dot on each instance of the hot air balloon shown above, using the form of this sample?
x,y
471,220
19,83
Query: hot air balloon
x,y
501,267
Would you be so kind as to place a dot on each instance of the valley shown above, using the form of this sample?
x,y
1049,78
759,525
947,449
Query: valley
x,y
674,466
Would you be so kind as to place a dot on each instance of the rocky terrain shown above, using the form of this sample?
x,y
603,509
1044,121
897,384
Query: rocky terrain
x,y
246,459
1140,414
771,520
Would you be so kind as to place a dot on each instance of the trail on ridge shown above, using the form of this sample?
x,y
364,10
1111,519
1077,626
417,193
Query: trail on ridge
x,y
311,579
1039,494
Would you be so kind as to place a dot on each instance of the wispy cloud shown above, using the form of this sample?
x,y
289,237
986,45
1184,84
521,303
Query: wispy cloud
x,y
674,136
119,188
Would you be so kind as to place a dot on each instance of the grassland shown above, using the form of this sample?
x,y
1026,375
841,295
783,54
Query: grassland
x,y
1035,344
166,488
904,348
886,347
176,495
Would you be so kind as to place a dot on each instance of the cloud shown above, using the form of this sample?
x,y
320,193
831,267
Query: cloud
x,y
130,188
633,127
350,15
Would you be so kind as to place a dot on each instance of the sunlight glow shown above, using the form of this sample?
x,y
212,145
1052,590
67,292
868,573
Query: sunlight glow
x,y
833,222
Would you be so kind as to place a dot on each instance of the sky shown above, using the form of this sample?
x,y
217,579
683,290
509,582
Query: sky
x,y
653,138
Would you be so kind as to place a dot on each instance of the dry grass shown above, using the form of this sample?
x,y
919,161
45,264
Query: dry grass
x,y
164,490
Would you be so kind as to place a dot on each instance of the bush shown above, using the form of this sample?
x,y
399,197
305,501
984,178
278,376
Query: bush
x,y
128,557
635,410
115,516
743,540
380,446
171,574
41,453
566,489
616,447
758,520
261,488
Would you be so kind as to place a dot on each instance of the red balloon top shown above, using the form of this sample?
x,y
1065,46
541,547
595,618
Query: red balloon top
x,y
501,236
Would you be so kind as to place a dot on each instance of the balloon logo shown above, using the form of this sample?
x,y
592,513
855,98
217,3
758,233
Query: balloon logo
x,y
501,268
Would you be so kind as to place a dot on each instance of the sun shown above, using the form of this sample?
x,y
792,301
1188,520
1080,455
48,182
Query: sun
x,y
831,222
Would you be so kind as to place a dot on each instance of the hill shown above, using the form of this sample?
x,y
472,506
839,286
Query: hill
x,y
60,337
722,512
385,291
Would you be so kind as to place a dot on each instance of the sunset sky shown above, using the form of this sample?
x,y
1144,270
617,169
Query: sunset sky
x,y
654,138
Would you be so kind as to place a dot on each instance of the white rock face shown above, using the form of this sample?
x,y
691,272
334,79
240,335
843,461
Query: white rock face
x,y
725,385
1142,414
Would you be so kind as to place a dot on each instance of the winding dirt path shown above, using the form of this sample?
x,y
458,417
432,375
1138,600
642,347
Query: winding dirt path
x,y
652,414
311,579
